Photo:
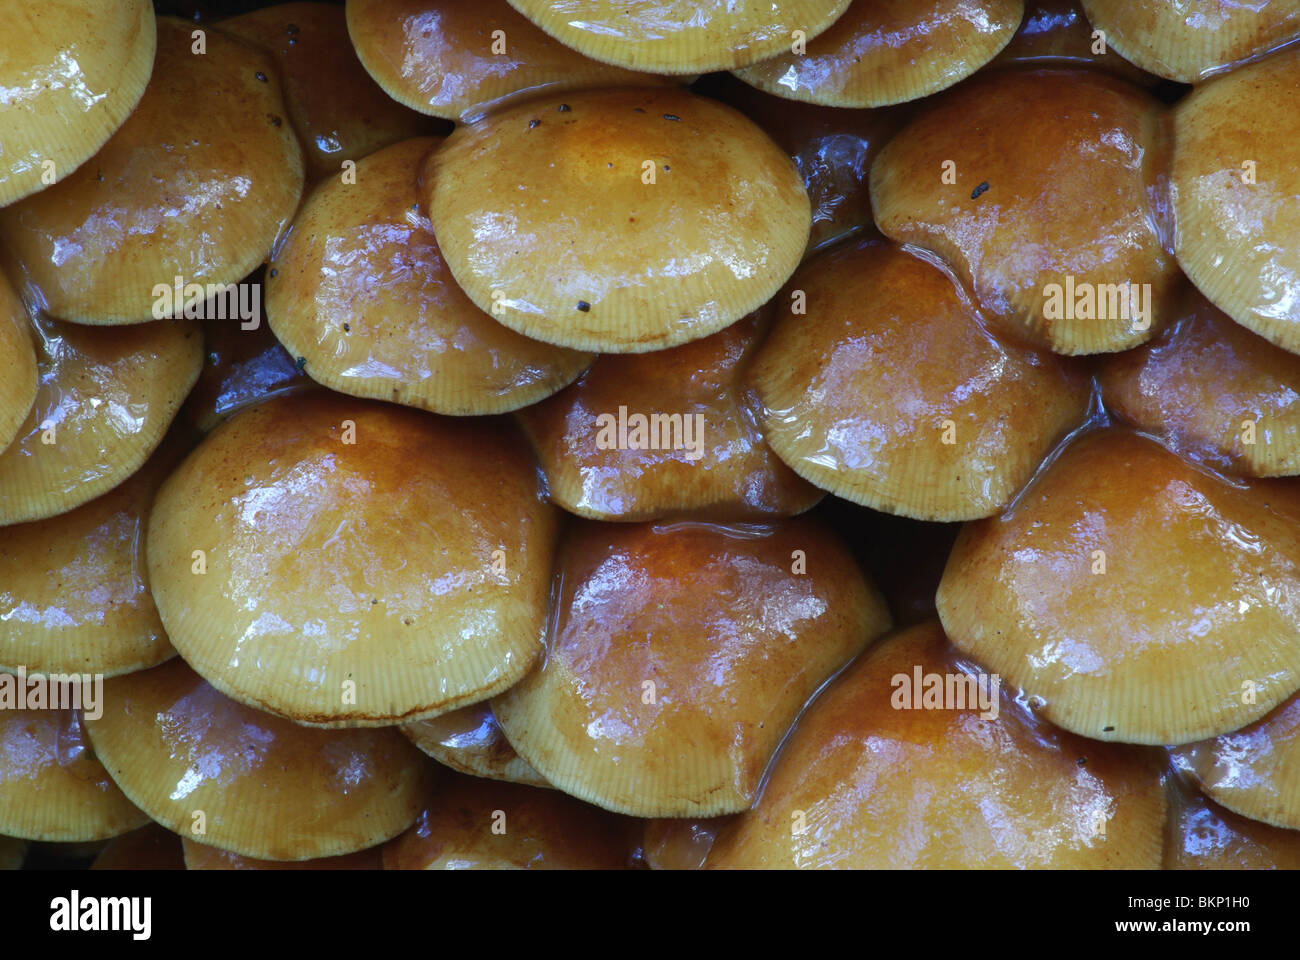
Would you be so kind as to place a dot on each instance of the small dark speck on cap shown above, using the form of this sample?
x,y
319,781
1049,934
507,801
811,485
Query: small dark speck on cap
x,y
275,121
637,110
975,194
564,108
291,29
347,328
261,76
1082,761
669,116
584,306
275,272
302,362
1107,729
533,123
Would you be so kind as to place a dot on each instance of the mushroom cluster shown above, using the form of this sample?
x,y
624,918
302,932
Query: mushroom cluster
x,y
596,435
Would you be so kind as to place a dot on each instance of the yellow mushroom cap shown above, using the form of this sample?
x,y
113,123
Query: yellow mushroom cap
x,y
196,184
883,772
681,36
1236,190
1046,192
360,290
1057,32
1133,593
552,217
71,70
1201,835
650,435
52,787
199,856
679,656
105,399
149,848
1190,40
18,361
345,562
879,384
889,51
470,741
254,784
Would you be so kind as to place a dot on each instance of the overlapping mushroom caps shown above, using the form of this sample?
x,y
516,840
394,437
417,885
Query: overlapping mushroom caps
x,y
1236,189
198,856
345,562
1133,594
1193,39
458,58
888,51
679,656
1201,835
223,774
18,361
72,70
149,848
105,399
1046,192
196,184
360,291
879,383
553,214
471,741
1057,33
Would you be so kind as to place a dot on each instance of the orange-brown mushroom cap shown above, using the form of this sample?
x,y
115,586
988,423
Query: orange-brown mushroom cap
x,y
18,361
200,856
1134,593
149,848
1201,835
553,214
470,741
341,561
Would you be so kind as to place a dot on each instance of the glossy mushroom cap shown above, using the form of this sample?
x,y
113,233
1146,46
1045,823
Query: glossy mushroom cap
x,y
52,787
879,384
1057,33
1201,835
681,36
338,112
1045,191
1213,390
72,70
889,51
361,563
1190,40
470,741
149,848
1133,594
105,399
199,856
459,58
679,656
18,361
473,824
913,759
360,290
552,217
662,434
197,184
216,771
680,844
1236,189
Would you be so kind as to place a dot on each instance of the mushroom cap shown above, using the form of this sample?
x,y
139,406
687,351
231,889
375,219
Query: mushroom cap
x,y
470,741
1134,593
1240,242
1214,390
105,399
512,200
1201,835
18,361
360,289
458,58
1058,192
680,844
711,461
337,110
265,787
200,856
889,51
679,656
680,36
12,853
880,786
149,848
473,824
74,590
52,787
72,72
1057,33
1254,771
890,393
366,564
197,183
1190,40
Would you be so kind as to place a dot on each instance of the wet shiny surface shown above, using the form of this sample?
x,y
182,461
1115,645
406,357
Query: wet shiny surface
x,y
725,472
511,200
149,848
70,73
196,183
394,577
886,788
1059,174
1240,242
1201,835
18,361
733,629
1057,33
360,289
470,741
890,393
201,857
104,401
1217,391
888,51
267,787
680,844
1200,593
